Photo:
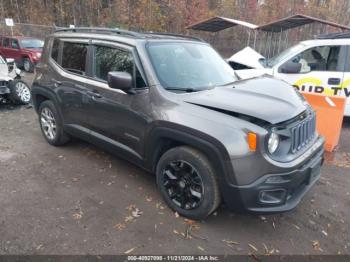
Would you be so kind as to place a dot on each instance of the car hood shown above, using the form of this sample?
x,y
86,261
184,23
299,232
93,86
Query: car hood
x,y
248,57
264,98
36,50
250,73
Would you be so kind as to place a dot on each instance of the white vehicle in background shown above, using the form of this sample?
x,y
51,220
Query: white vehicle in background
x,y
12,88
321,65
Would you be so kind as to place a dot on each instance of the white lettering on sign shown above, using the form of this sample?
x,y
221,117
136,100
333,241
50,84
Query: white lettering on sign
x,y
9,22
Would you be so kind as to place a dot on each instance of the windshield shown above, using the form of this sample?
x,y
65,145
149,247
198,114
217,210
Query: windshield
x,y
286,53
189,66
32,43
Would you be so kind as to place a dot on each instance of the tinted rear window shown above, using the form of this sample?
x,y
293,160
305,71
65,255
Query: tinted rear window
x,y
74,57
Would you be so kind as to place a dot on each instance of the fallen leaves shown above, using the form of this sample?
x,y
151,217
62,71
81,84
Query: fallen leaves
x,y
230,243
129,250
268,251
316,245
78,215
297,227
136,213
119,226
200,248
253,247
160,206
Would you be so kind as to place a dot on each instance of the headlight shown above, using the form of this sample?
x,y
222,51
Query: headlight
x,y
38,55
273,143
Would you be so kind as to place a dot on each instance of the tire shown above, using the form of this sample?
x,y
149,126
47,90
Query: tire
x,y
187,182
28,66
51,124
19,92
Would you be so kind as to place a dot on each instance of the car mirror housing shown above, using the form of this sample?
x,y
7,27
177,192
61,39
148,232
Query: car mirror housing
x,y
290,68
120,80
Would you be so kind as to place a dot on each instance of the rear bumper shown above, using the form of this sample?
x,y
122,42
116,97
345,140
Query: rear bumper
x,y
278,192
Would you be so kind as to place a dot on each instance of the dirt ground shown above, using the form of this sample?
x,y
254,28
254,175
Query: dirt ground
x,y
78,199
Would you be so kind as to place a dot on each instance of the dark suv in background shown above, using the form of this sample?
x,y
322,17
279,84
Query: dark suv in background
x,y
171,105
25,50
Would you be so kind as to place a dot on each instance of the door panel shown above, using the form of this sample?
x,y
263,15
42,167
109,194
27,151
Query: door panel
x,y
115,118
15,50
69,78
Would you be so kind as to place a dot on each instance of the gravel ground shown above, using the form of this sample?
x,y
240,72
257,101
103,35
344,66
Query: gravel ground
x,y
78,199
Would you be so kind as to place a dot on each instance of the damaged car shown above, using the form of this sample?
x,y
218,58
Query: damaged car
x,y
172,105
12,88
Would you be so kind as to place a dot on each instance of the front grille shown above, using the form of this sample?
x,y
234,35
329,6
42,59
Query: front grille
x,y
303,132
3,83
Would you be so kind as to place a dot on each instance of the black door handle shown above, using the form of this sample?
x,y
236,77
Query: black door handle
x,y
333,81
56,82
94,94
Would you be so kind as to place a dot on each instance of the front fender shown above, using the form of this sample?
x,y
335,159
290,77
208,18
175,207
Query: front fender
x,y
211,147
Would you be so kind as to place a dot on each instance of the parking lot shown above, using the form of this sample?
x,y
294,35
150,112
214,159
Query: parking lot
x,y
78,199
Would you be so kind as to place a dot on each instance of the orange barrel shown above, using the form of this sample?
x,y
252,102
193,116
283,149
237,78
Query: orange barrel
x,y
329,116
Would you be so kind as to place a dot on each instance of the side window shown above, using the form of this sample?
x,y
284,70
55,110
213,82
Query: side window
x,y
6,42
320,58
55,49
74,57
14,43
108,59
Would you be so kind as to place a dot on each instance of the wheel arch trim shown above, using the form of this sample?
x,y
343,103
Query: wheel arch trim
x,y
211,147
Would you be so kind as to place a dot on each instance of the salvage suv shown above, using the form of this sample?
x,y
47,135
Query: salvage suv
x,y
171,105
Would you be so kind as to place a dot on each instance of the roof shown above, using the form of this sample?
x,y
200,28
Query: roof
x,y
315,42
334,36
295,21
219,23
126,33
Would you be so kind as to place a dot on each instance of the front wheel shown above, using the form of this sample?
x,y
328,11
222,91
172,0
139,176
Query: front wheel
x,y
28,65
19,92
188,182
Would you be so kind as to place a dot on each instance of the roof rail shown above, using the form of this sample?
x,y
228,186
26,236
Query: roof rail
x,y
100,30
175,35
334,36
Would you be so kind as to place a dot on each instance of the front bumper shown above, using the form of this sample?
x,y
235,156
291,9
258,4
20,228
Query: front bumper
x,y
4,90
278,192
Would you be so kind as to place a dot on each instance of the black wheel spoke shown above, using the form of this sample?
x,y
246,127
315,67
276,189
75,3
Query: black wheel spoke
x,y
183,184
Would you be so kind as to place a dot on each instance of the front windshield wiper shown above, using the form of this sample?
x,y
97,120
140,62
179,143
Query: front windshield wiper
x,y
186,89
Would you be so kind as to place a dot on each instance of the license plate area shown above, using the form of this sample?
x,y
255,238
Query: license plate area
x,y
314,172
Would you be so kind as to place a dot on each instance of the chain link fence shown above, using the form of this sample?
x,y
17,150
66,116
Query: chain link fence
x,y
22,29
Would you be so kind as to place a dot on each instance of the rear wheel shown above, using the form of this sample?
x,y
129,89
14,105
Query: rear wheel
x,y
188,183
51,124
19,92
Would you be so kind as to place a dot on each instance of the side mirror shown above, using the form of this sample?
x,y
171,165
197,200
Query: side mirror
x,y
120,80
10,60
290,68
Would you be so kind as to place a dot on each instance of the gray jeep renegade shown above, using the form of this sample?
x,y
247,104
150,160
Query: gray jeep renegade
x,y
171,105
